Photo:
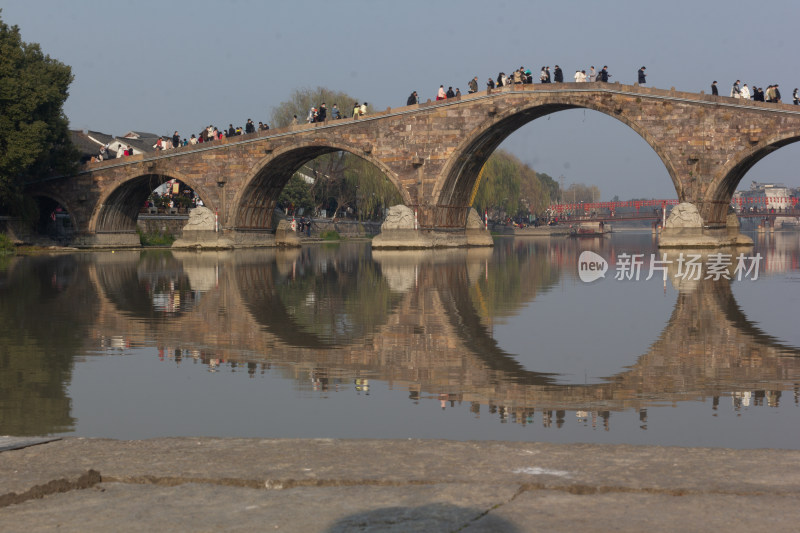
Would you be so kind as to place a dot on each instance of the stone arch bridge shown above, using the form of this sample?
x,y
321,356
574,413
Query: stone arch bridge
x,y
433,152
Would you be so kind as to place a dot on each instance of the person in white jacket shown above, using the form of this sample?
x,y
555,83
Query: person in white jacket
x,y
745,92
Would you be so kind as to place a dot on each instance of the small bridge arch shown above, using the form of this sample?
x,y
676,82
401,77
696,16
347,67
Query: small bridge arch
x,y
118,209
257,198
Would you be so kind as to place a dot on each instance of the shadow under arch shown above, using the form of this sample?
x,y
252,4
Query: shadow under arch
x,y
119,209
461,172
47,204
257,199
724,185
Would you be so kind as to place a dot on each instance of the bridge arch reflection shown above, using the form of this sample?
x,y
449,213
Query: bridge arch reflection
x,y
433,337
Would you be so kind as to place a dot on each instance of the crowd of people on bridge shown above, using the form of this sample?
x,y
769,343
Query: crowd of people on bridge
x,y
320,114
519,76
757,94
524,76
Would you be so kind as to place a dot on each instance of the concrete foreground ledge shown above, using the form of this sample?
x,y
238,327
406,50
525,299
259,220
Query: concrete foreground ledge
x,y
322,485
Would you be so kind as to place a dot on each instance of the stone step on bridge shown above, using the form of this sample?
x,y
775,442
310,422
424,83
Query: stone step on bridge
x,y
433,153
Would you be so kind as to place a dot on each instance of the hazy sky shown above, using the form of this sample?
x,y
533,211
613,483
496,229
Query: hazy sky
x,y
161,66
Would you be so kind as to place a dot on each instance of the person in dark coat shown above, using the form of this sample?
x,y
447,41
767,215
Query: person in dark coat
x,y
604,75
412,99
558,74
450,93
642,76
714,90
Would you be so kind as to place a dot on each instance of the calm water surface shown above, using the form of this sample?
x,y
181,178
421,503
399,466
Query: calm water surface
x,y
340,341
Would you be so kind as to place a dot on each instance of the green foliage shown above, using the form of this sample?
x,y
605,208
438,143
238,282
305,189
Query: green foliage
x,y
6,246
34,134
550,186
297,193
509,187
155,239
330,235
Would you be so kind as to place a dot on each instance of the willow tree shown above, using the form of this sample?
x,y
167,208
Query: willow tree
x,y
34,131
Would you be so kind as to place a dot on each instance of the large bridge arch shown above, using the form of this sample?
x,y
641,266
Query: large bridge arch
x,y
118,209
719,193
258,196
459,175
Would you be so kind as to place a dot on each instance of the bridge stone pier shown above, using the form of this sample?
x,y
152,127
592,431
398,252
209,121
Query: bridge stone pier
x,y
433,152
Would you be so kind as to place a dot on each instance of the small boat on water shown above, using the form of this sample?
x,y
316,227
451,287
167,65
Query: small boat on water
x,y
589,230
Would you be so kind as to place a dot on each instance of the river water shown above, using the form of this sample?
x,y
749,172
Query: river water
x,y
336,340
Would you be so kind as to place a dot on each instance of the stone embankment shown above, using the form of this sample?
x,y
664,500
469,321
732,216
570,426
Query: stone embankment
x,y
326,485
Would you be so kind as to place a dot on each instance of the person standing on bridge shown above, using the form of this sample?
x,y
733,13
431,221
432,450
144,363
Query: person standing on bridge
x,y
473,85
592,74
176,140
559,75
356,110
604,75
642,76
795,97
335,112
322,113
769,94
450,93
490,84
441,95
745,92
412,98
736,92
714,90
362,111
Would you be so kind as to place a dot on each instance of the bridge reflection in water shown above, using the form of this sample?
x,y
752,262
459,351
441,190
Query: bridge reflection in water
x,y
343,315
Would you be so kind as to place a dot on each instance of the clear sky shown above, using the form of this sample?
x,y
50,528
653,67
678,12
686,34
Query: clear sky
x,y
158,66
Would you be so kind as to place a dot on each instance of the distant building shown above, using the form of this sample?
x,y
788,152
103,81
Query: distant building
x,y
90,143
764,196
